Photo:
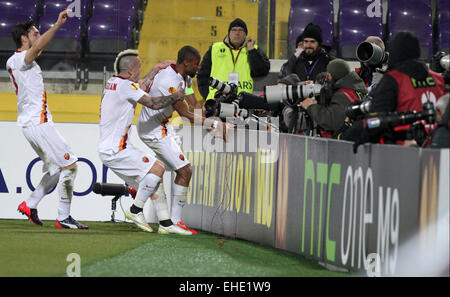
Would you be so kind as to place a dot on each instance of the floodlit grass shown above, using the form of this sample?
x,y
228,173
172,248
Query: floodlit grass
x,y
121,249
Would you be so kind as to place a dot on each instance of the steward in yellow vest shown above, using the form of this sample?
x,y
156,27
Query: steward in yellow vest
x,y
236,59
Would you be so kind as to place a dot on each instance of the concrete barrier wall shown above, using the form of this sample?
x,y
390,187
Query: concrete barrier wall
x,y
320,200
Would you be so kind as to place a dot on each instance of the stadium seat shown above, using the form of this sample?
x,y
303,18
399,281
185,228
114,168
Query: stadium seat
x,y
68,37
111,29
303,12
415,17
65,50
443,8
28,8
11,13
355,26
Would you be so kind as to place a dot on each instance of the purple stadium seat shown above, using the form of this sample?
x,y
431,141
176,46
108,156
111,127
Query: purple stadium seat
x,y
415,17
68,37
111,29
11,13
27,8
303,12
6,24
443,8
355,25
111,26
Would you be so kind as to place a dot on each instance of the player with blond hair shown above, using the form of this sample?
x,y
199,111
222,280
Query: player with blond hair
x,y
140,170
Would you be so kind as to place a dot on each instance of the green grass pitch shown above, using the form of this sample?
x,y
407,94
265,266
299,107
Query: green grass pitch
x,y
120,249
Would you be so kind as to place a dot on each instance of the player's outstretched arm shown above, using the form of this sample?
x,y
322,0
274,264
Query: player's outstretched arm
x,y
45,38
163,101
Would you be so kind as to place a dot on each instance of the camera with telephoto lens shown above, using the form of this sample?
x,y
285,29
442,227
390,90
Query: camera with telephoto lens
x,y
376,124
358,109
390,120
226,101
291,95
232,104
224,110
222,87
372,54
239,109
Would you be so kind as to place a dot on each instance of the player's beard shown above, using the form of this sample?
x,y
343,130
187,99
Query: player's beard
x,y
309,50
192,74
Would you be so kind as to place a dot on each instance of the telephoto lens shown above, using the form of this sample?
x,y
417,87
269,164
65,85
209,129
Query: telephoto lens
x,y
357,110
290,95
371,53
219,85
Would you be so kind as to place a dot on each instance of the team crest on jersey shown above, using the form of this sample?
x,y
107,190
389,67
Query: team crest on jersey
x,y
172,90
66,156
145,160
181,157
134,86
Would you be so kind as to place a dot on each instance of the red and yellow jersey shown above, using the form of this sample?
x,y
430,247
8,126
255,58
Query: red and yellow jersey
x,y
117,108
28,82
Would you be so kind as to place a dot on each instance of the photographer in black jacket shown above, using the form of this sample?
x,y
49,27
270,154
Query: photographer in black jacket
x,y
313,59
405,87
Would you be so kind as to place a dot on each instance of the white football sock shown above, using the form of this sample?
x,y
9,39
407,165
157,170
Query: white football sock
x,y
146,188
47,183
160,202
179,200
65,188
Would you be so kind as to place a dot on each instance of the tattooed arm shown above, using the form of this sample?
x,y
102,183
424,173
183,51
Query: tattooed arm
x,y
163,101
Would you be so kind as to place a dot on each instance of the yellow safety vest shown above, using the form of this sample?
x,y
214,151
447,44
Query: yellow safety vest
x,y
226,60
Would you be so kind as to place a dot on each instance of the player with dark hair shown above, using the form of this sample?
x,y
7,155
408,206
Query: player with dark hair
x,y
33,115
156,132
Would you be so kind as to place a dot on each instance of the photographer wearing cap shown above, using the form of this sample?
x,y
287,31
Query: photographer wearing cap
x,y
313,59
236,59
373,58
346,87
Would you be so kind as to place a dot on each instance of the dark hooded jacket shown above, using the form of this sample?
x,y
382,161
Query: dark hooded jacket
x,y
404,52
404,57
332,117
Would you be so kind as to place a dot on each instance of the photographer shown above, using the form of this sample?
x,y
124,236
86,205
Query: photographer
x,y
405,87
373,58
408,80
313,59
345,87
237,59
